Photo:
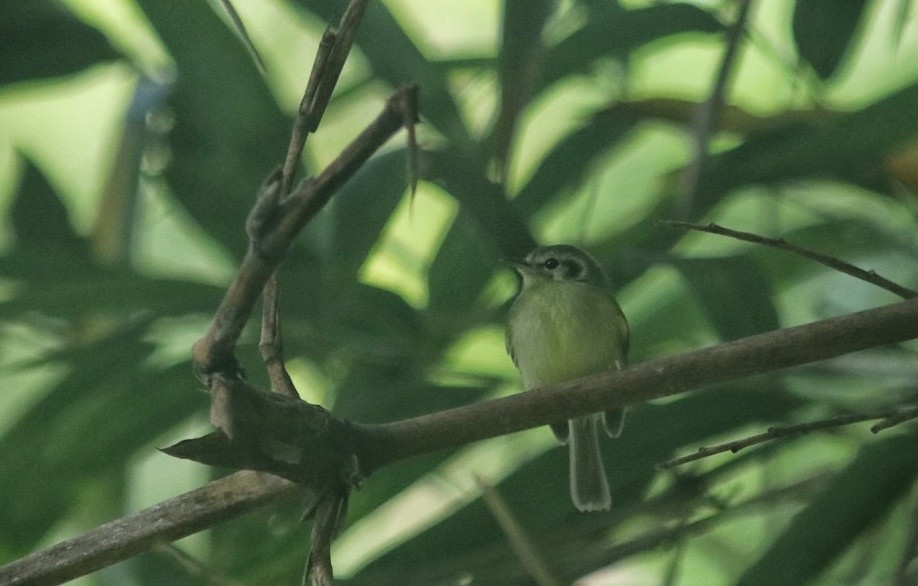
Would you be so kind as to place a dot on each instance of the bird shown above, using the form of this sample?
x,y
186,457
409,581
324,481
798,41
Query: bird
x,y
562,325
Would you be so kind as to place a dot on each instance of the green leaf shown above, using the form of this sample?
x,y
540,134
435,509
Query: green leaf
x,y
852,147
103,410
571,160
487,228
40,219
858,498
520,65
469,540
40,39
734,291
229,133
823,31
613,32
360,210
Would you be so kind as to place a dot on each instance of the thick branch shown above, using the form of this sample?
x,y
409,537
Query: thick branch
x,y
383,444
386,443
173,519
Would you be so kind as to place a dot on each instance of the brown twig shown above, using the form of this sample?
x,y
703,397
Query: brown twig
x,y
774,433
520,543
330,513
896,419
781,244
379,445
277,200
706,115
331,55
274,224
271,345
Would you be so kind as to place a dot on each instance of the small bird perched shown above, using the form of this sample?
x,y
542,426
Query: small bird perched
x,y
564,325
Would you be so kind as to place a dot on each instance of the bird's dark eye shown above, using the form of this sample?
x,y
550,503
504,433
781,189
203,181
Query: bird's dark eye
x,y
551,264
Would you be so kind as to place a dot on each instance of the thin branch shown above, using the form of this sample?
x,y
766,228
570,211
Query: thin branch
x,y
379,445
896,419
774,433
839,265
243,34
271,345
275,224
520,543
300,126
334,62
706,115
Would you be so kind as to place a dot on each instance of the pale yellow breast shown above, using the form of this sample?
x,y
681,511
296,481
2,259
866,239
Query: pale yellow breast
x,y
562,331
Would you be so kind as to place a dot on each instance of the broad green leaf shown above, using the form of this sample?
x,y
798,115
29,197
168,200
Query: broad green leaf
x,y
106,407
613,32
735,292
486,229
823,31
228,133
520,65
572,160
852,147
40,220
358,213
857,500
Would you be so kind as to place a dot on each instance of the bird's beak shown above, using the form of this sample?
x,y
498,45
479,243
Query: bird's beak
x,y
518,265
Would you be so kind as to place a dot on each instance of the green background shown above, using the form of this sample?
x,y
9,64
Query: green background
x,y
134,135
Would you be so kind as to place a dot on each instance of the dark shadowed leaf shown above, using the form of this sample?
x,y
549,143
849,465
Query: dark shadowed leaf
x,y
358,213
823,31
40,219
734,291
41,38
520,65
571,160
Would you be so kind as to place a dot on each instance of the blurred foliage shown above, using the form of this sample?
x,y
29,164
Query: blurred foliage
x,y
123,196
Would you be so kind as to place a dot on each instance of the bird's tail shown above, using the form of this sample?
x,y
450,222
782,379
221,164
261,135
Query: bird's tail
x,y
589,487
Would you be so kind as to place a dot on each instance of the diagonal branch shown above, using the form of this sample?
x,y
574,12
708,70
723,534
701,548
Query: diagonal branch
x,y
379,445
839,265
774,433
